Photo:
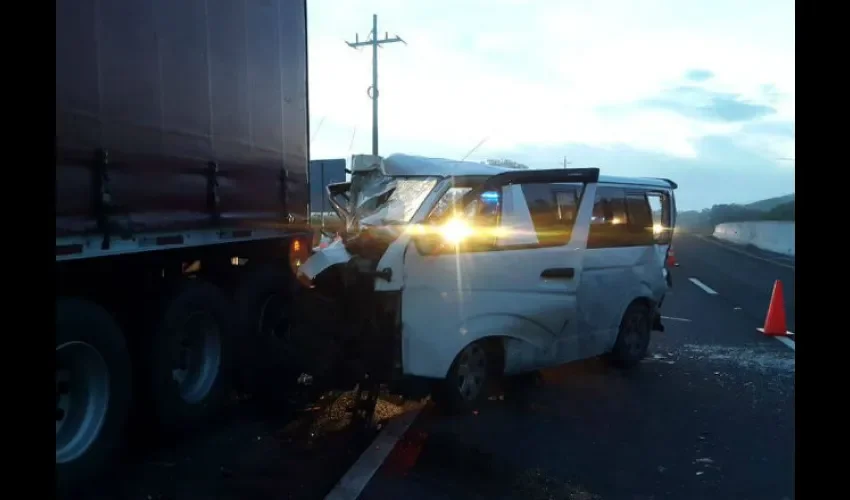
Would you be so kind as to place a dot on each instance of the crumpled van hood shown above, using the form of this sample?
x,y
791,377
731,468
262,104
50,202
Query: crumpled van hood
x,y
375,208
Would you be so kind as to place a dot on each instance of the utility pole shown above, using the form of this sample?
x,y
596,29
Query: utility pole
x,y
373,90
566,162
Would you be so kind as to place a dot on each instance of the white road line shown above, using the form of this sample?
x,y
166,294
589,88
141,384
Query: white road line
x,y
705,288
788,342
676,319
358,476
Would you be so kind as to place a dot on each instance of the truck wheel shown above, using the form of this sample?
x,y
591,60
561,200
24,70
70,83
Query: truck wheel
x,y
469,379
633,338
93,391
264,300
190,357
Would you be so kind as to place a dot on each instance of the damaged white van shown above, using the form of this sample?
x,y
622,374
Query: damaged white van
x,y
455,273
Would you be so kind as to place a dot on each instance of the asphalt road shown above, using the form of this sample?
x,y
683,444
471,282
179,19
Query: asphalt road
x,y
743,277
710,415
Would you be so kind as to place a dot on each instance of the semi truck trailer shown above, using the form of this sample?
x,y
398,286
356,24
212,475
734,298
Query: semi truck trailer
x,y
181,211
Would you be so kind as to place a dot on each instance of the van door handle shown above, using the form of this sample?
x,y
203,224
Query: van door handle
x,y
558,273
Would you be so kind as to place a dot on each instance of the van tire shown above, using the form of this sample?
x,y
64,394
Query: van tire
x,y
479,357
633,338
81,323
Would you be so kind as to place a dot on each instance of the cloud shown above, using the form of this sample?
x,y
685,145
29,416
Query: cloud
x,y
699,75
721,164
775,138
781,129
702,104
552,77
771,93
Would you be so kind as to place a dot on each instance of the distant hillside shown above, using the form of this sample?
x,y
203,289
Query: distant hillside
x,y
781,208
771,203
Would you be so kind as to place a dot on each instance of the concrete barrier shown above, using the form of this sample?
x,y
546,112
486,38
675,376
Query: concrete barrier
x,y
772,236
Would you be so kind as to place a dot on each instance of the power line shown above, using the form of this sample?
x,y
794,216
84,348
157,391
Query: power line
x,y
373,40
351,144
318,127
480,143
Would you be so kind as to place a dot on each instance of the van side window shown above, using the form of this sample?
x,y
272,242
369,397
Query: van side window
x,y
640,221
553,211
567,201
608,225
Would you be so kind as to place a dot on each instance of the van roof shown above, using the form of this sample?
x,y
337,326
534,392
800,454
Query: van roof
x,y
401,165
408,165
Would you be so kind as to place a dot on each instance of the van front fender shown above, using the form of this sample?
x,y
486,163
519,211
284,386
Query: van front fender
x,y
334,254
430,352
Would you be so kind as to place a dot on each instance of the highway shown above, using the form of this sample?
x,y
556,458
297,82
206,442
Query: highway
x,y
709,415
742,277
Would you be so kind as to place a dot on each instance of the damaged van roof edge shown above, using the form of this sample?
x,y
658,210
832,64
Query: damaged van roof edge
x,y
402,165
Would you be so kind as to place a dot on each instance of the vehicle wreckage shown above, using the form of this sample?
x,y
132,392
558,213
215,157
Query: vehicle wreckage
x,y
450,274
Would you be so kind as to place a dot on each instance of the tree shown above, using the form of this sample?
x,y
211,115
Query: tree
x,y
706,219
783,212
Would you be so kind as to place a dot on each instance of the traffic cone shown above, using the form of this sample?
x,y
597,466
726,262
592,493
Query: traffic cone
x,y
774,322
671,258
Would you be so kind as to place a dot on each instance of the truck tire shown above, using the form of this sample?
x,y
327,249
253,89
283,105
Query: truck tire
x,y
264,300
633,338
93,391
190,360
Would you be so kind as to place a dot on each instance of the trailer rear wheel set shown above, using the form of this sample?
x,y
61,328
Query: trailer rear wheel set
x,y
190,355
93,389
263,299
187,362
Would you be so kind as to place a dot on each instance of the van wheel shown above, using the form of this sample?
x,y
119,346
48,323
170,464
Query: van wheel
x,y
633,339
469,379
93,391
190,378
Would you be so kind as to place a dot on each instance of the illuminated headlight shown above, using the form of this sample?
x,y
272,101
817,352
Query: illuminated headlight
x,y
455,231
657,229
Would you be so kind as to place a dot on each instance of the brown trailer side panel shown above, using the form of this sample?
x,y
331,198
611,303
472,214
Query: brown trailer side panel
x,y
168,88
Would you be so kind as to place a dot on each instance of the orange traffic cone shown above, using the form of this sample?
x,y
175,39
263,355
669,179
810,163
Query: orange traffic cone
x,y
774,322
671,258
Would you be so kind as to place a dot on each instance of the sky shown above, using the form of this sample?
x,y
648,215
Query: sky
x,y
696,91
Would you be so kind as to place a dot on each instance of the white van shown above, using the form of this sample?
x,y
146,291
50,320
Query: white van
x,y
467,271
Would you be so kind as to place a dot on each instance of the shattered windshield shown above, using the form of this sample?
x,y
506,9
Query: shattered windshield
x,y
393,200
449,200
